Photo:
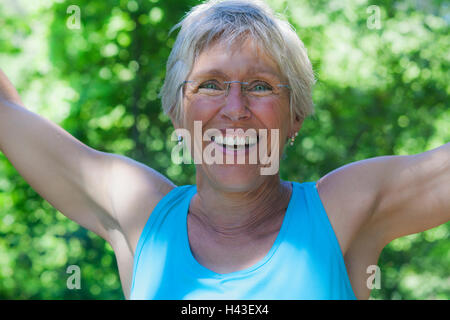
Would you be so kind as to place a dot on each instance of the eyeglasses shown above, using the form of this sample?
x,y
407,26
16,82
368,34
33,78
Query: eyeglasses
x,y
215,90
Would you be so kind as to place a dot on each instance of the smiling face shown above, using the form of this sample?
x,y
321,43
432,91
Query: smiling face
x,y
247,63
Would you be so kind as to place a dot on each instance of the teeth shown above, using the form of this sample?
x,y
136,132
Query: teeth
x,y
229,141
218,139
235,140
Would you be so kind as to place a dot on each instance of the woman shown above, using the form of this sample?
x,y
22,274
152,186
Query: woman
x,y
238,81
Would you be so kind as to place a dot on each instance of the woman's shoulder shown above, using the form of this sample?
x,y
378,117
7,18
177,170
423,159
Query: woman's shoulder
x,y
135,190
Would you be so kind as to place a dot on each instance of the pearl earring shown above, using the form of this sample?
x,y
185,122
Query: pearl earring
x,y
293,139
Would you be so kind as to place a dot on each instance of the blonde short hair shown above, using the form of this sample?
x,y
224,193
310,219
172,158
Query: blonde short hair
x,y
229,21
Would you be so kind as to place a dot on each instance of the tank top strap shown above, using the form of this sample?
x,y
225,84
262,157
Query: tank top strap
x,y
312,231
316,214
171,204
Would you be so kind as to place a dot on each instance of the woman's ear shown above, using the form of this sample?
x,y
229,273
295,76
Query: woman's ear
x,y
175,122
298,122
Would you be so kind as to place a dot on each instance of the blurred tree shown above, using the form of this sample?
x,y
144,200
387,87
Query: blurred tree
x,y
380,91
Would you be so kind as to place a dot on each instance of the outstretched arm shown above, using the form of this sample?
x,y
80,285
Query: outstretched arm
x,y
98,190
389,196
68,174
414,193
7,90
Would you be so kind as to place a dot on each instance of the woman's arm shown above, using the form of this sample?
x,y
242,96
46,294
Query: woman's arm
x,y
391,196
414,193
94,189
7,90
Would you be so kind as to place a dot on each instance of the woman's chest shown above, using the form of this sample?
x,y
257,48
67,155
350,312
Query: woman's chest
x,y
228,255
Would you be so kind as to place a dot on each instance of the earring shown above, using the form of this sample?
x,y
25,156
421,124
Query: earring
x,y
293,139
180,140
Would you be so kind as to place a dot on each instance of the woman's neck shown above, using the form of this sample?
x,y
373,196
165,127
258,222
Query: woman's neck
x,y
238,215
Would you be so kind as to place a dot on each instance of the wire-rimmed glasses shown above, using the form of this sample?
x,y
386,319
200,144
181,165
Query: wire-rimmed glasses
x,y
217,90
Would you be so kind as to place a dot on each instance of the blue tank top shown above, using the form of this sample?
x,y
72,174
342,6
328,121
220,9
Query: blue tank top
x,y
305,261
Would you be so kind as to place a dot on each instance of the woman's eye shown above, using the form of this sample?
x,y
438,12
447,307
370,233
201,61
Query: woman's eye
x,y
209,86
260,86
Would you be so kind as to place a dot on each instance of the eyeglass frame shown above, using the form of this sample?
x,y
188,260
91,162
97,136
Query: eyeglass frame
x,y
228,83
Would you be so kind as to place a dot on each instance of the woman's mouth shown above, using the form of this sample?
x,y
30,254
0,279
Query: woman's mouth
x,y
234,142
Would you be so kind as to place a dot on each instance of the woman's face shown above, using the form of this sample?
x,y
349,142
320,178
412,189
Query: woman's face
x,y
237,110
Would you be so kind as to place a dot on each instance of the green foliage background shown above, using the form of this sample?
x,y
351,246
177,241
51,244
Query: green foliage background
x,y
379,92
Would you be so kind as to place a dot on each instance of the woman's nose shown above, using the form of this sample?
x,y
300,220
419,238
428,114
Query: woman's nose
x,y
236,103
